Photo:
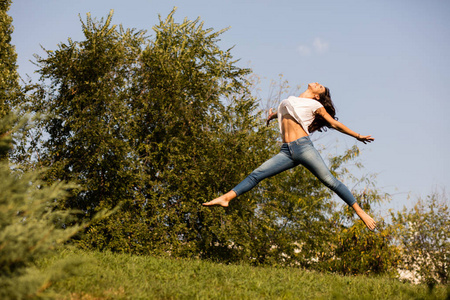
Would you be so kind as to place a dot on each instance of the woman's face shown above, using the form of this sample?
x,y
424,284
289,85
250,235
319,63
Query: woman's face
x,y
316,88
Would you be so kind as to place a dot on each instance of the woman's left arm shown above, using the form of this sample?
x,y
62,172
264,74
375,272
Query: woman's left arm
x,y
342,128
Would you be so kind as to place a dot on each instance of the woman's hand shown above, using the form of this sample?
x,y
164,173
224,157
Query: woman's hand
x,y
365,138
271,116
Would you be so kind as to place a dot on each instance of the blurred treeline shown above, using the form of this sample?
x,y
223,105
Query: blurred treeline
x,y
149,126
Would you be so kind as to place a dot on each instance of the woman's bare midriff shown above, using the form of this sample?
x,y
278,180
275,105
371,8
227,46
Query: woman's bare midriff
x,y
291,130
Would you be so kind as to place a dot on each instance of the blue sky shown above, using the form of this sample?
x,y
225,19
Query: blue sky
x,y
386,63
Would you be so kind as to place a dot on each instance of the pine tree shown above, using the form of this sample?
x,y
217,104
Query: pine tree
x,y
30,228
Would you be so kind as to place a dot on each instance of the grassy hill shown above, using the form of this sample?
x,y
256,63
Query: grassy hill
x,y
105,275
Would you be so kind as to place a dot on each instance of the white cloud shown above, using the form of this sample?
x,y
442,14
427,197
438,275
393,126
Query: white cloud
x,y
318,46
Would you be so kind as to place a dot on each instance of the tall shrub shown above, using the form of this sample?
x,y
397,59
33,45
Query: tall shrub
x,y
423,234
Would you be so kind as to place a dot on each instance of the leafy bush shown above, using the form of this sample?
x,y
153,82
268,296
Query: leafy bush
x,y
359,251
356,250
424,236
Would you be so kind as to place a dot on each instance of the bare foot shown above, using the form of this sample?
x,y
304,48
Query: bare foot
x,y
370,223
223,200
218,201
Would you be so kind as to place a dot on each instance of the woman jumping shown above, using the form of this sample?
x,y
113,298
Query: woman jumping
x,y
297,117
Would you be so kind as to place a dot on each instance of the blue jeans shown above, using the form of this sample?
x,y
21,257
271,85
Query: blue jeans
x,y
300,151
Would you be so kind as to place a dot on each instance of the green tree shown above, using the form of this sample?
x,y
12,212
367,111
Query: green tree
x,y
8,69
423,233
135,122
86,104
186,137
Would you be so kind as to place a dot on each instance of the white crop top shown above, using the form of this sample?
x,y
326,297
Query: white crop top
x,y
301,109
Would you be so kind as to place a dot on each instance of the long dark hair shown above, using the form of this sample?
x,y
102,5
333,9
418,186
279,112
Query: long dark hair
x,y
319,123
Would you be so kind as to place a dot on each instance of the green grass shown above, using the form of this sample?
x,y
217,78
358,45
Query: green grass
x,y
105,275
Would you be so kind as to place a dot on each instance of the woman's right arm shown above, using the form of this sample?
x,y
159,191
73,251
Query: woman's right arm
x,y
272,115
